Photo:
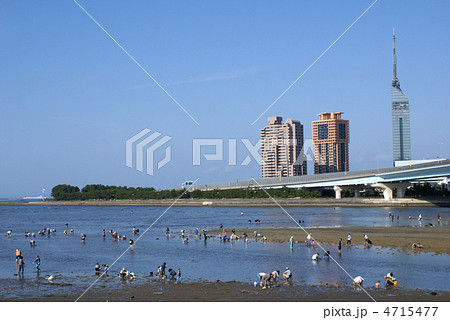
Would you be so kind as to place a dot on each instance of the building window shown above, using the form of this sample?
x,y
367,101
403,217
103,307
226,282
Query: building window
x,y
342,131
334,158
323,131
402,156
343,167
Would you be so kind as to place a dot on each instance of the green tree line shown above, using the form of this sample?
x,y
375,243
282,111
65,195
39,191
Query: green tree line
x,y
425,189
101,192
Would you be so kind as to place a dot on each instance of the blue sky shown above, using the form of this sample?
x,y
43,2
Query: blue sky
x,y
70,98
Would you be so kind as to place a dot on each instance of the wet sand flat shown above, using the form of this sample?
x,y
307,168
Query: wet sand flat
x,y
154,291
433,239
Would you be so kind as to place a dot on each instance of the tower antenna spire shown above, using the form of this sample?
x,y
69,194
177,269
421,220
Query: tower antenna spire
x,y
394,57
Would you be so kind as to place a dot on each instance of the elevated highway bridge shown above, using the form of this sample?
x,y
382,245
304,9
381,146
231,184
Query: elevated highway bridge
x,y
387,179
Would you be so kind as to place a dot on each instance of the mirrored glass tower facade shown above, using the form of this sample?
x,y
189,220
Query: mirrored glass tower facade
x,y
401,135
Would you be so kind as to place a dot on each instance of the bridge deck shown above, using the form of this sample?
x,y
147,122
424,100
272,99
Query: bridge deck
x,y
440,168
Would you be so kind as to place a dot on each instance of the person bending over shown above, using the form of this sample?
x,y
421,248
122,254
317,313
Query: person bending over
x,y
287,275
389,280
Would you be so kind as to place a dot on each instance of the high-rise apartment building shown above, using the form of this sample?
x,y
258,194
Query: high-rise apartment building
x,y
282,148
330,138
401,135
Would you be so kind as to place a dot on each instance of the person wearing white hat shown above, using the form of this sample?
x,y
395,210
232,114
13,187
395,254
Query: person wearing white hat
x,y
287,274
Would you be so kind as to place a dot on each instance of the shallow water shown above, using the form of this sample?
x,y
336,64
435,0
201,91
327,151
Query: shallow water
x,y
72,262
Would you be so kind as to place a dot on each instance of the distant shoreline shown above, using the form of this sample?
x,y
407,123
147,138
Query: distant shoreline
x,y
305,202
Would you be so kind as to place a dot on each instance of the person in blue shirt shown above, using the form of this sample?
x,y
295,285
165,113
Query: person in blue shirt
x,y
37,261
21,265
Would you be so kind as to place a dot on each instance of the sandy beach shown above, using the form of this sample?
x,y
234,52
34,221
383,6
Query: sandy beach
x,y
433,239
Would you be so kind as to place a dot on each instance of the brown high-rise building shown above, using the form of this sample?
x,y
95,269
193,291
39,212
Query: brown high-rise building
x,y
282,148
330,137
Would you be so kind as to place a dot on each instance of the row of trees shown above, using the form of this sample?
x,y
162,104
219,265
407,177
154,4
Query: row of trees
x,y
420,190
101,192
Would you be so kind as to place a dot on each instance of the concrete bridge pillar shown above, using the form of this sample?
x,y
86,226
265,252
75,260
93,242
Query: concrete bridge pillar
x,y
401,189
338,190
388,189
388,193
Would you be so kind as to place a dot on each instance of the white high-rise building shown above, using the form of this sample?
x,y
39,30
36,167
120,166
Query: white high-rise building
x,y
401,132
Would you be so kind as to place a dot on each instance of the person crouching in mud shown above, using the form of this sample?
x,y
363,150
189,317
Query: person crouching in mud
x,y
275,276
390,280
172,274
122,273
287,275
358,281
265,279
